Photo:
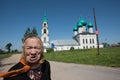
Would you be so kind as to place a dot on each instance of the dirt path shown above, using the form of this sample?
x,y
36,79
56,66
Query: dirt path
x,y
65,71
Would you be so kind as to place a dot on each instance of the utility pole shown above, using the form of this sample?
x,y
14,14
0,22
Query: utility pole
x,y
97,32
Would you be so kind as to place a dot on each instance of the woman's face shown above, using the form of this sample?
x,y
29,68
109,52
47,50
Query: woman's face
x,y
32,50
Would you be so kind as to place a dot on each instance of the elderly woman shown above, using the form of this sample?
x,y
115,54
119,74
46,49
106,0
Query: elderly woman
x,y
32,65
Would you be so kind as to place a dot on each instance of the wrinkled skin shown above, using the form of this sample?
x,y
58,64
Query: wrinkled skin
x,y
32,50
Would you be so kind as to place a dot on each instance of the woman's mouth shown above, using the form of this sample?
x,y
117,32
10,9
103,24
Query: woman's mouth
x,y
33,58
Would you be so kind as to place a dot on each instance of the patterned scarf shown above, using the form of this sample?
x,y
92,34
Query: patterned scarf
x,y
24,69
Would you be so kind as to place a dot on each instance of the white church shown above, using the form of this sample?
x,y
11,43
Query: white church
x,y
84,37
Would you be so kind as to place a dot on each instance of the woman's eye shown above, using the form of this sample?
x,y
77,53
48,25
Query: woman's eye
x,y
33,48
29,48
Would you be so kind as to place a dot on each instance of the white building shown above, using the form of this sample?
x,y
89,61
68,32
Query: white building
x,y
84,37
45,34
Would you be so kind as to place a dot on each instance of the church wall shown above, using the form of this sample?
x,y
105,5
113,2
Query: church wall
x,y
88,41
61,48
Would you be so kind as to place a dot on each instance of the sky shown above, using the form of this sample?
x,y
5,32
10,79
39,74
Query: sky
x,y
17,15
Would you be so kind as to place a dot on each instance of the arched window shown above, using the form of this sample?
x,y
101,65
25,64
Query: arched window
x,y
44,30
86,41
90,41
90,47
44,25
83,41
93,41
83,47
86,47
44,39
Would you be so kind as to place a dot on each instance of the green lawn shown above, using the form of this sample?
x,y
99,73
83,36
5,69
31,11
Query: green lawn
x,y
4,55
108,57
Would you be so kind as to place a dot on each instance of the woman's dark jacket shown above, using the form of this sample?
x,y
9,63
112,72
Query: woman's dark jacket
x,y
45,70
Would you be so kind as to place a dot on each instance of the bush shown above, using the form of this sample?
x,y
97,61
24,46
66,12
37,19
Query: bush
x,y
2,51
49,50
72,48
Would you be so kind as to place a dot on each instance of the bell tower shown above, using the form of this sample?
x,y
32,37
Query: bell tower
x,y
45,33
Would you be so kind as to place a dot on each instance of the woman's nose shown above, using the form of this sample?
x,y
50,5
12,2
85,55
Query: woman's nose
x,y
33,51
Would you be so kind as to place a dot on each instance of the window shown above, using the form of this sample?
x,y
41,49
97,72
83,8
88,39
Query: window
x,y
86,47
86,41
44,25
83,41
90,41
83,47
93,40
44,30
44,39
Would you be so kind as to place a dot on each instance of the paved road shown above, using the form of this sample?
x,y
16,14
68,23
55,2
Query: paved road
x,y
65,71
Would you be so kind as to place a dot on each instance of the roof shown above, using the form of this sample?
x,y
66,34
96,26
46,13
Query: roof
x,y
67,42
79,24
83,22
45,18
75,28
90,25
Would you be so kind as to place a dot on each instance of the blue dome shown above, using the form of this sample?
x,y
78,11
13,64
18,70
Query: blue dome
x,y
75,29
79,24
90,25
83,22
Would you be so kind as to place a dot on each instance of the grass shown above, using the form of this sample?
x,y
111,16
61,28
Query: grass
x,y
108,57
4,55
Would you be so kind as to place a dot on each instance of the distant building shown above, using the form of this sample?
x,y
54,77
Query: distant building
x,y
84,37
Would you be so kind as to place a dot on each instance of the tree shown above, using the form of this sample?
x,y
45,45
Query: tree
x,y
26,33
15,51
29,32
2,51
106,45
119,44
34,31
8,47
